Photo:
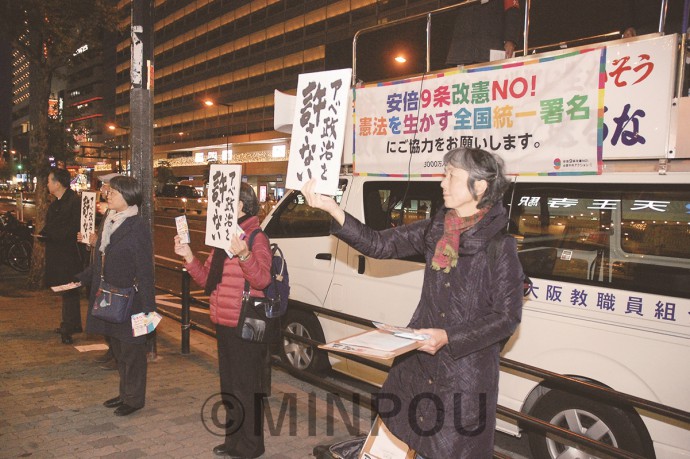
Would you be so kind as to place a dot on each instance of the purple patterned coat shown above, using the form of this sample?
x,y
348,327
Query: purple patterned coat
x,y
445,405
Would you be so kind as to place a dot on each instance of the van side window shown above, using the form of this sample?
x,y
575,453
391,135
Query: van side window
x,y
294,218
633,237
388,204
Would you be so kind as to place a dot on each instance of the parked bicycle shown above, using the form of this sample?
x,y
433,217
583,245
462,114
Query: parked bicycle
x,y
16,242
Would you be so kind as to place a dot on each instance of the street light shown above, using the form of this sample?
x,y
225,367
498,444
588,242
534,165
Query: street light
x,y
113,127
211,103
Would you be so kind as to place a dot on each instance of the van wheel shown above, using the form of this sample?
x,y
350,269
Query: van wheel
x,y
299,355
618,427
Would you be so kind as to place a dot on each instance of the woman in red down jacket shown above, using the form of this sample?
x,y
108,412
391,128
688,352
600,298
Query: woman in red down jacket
x,y
240,363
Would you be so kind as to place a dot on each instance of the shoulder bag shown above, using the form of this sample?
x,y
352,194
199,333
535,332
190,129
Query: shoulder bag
x,y
113,304
257,323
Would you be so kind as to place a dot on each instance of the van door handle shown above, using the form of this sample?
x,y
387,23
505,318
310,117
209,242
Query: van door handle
x,y
324,256
360,264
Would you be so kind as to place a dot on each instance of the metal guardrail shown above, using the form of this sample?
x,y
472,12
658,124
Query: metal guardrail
x,y
525,421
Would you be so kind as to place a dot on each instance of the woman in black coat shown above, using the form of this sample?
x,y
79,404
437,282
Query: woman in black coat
x,y
125,251
442,400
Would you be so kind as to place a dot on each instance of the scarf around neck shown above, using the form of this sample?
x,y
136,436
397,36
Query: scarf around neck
x,y
446,253
113,222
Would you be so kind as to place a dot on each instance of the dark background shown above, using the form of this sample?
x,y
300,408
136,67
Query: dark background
x,y
551,22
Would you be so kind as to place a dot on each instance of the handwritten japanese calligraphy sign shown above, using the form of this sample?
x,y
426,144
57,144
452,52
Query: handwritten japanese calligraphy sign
x,y
318,130
639,95
541,116
88,215
223,201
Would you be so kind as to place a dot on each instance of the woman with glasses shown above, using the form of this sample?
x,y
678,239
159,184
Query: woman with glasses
x,y
125,253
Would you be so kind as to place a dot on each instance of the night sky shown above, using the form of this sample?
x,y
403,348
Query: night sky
x,y
551,22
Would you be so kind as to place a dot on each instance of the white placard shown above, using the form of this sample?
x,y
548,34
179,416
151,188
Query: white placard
x,y
223,201
639,97
318,130
88,215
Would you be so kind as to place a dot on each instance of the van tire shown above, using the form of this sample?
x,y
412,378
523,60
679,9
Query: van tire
x,y
622,427
298,355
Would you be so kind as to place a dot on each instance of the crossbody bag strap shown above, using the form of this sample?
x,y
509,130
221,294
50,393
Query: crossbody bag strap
x,y
103,267
250,243
136,284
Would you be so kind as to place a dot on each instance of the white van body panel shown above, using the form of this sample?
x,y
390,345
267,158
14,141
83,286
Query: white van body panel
x,y
645,358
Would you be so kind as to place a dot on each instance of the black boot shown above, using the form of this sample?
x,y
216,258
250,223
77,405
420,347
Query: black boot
x,y
106,357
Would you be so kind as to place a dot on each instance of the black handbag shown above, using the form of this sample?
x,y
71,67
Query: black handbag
x,y
113,304
255,323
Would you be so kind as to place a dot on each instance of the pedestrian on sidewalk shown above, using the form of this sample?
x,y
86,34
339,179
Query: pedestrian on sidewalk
x,y
240,363
107,360
125,255
63,255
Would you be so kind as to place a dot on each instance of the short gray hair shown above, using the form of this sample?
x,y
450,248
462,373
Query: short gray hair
x,y
480,165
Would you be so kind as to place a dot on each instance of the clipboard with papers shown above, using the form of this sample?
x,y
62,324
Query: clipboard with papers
x,y
384,342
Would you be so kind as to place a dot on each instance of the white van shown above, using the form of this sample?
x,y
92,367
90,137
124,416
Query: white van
x,y
609,254
610,260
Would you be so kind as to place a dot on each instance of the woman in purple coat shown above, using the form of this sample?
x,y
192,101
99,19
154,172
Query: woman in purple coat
x,y
441,401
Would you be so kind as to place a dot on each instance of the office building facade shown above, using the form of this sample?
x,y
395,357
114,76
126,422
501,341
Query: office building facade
x,y
236,53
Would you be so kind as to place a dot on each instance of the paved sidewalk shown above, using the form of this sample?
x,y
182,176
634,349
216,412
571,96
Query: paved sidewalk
x,y
51,395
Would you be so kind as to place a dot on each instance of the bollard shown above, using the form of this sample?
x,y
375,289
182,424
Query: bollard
x,y
184,315
20,206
